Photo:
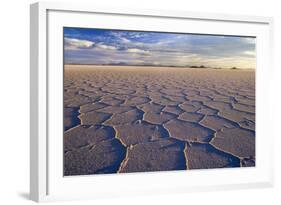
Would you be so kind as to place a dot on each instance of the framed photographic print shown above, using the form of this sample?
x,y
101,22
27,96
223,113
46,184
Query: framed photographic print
x,y
128,101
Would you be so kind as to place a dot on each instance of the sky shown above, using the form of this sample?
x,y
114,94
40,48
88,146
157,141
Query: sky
x,y
100,46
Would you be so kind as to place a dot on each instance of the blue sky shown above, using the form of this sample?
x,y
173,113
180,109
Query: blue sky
x,y
98,46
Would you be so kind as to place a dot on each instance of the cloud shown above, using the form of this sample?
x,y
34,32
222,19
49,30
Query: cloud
x,y
103,46
249,53
248,40
73,43
136,50
78,44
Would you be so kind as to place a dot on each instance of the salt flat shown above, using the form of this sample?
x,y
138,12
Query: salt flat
x,y
121,119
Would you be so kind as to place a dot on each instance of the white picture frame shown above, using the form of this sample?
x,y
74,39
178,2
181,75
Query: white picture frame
x,y
46,179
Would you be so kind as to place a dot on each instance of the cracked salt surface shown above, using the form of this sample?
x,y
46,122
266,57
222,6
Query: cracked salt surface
x,y
139,119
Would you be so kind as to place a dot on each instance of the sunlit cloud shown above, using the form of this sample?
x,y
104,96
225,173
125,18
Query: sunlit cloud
x,y
249,53
136,50
106,47
72,43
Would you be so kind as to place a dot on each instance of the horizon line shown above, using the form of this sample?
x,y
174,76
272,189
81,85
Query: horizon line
x,y
172,66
